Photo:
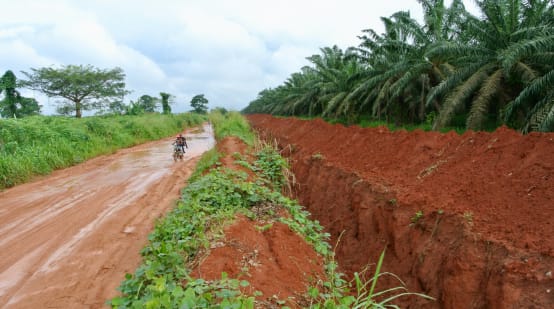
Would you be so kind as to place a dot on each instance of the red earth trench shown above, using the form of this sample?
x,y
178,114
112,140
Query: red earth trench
x,y
466,219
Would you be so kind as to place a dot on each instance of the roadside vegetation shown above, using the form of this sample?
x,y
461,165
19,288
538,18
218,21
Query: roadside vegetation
x,y
232,124
212,199
38,145
452,70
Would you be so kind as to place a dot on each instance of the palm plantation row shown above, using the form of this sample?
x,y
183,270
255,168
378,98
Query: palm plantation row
x,y
455,69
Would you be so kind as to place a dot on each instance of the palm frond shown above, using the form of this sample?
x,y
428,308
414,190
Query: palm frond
x,y
484,33
523,49
546,120
536,12
535,88
525,72
513,15
480,105
454,80
454,50
540,59
459,97
540,117
334,103
380,98
399,86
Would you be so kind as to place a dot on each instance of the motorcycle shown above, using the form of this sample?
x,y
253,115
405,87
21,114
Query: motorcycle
x,y
178,153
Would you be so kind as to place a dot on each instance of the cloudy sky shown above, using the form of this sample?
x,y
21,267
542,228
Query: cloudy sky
x,y
227,50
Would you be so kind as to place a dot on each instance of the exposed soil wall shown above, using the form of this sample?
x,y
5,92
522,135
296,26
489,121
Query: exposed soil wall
x,y
484,236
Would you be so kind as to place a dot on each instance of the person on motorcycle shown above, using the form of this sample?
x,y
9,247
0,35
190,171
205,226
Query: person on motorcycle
x,y
181,141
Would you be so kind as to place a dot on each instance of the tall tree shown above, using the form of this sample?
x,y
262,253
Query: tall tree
x,y
117,107
165,102
13,104
337,74
149,104
83,87
199,103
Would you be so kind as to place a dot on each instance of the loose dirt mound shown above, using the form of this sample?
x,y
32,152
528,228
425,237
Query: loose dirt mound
x,y
465,218
272,258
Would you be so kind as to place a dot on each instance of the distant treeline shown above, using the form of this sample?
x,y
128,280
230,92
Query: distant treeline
x,y
455,69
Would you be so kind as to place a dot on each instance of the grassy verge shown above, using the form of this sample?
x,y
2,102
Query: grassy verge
x,y
38,145
408,127
232,124
372,123
209,159
210,201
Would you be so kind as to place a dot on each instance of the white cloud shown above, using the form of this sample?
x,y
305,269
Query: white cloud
x,y
18,51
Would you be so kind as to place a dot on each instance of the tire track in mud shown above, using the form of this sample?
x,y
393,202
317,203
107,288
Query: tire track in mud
x,y
67,240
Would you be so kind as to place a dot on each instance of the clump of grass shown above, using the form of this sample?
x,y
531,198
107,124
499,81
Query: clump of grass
x,y
208,159
271,166
468,216
232,124
317,156
417,217
366,294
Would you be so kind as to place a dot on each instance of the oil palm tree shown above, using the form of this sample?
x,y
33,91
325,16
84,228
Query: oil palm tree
x,y
510,47
401,73
338,73
536,101
300,94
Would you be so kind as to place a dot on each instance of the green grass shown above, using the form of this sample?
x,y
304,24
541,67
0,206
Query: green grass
x,y
232,124
38,145
366,122
208,159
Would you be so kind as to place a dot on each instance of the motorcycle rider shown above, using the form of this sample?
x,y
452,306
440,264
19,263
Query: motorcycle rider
x,y
181,142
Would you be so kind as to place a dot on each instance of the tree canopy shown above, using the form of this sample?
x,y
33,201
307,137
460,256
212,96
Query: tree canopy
x,y
453,69
199,103
166,101
83,87
14,104
148,103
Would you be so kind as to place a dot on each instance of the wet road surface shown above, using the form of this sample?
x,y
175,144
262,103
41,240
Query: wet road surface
x,y
67,240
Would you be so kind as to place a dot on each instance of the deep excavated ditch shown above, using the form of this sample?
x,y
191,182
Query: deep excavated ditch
x,y
465,219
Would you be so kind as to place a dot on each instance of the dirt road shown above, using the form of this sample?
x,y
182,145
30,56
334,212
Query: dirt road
x,y
67,240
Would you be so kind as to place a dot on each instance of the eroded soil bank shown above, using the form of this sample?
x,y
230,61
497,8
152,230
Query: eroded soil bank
x,y
466,219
